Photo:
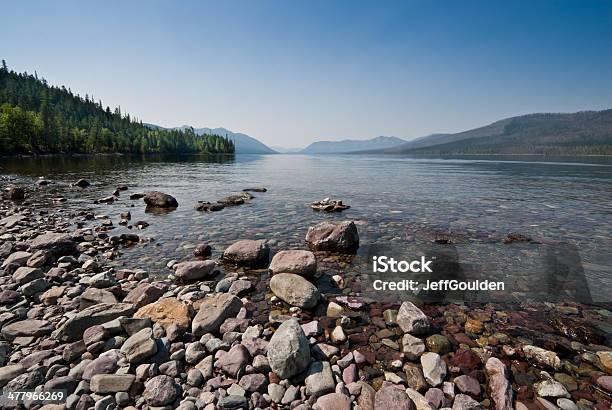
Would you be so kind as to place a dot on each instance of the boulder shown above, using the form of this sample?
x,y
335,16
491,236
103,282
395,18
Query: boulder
x,y
214,311
328,236
194,270
434,369
9,372
139,346
412,320
24,275
247,252
28,327
333,401
18,258
161,391
55,243
299,262
295,290
319,379
499,384
392,398
167,312
14,193
143,294
82,183
156,199
111,383
74,327
288,350
234,361
94,296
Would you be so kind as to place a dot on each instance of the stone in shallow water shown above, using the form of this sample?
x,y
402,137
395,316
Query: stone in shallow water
x,y
411,319
288,350
393,398
247,252
214,311
319,379
156,199
550,388
499,385
194,270
542,357
300,262
434,369
412,347
339,237
295,290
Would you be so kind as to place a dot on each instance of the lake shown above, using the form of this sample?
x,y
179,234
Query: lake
x,y
392,199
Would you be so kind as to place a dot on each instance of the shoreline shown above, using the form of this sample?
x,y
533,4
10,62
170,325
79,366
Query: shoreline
x,y
360,351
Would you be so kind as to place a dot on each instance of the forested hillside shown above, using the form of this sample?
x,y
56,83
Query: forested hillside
x,y
38,118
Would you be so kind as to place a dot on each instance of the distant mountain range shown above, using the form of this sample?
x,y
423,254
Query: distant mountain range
x,y
349,146
580,133
244,144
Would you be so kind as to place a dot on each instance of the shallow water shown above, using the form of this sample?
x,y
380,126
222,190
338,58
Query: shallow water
x,y
392,198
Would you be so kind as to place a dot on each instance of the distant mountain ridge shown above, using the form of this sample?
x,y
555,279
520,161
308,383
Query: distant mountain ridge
x,y
348,145
580,133
244,144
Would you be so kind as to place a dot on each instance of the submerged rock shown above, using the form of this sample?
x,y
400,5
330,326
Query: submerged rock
x,y
329,205
339,237
501,389
156,199
411,319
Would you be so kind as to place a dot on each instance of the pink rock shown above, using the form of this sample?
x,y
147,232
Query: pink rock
x,y
467,384
392,398
234,360
501,390
350,374
605,382
333,401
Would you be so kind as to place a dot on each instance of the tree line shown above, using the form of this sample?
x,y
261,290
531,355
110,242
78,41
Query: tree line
x,y
37,118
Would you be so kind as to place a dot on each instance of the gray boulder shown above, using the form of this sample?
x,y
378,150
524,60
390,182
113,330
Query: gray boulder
x,y
295,290
74,327
139,346
156,199
328,236
194,270
299,262
288,350
247,252
213,312
55,243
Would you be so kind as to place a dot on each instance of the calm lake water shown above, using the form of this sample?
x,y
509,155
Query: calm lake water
x,y
392,198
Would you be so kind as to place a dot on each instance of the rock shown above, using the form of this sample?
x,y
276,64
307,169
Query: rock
x,y
95,334
235,199
143,294
392,398
214,311
34,287
55,243
24,275
233,402
161,391
60,383
499,384
295,290
194,270
106,363
8,297
434,369
254,383
94,296
605,382
288,350
367,396
252,253
139,346
412,320
319,379
234,361
167,312
14,193
202,250
18,258
467,384
27,328
74,327
329,205
9,372
412,347
328,236
550,388
542,357
156,199
465,402
240,286
438,344
209,206
111,383
333,401
38,259
605,357
566,404
299,262
420,402
337,335
82,183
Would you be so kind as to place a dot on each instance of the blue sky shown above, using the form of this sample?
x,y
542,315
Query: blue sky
x,y
293,72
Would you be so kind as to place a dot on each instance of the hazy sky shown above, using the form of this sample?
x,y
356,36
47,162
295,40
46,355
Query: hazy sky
x,y
293,72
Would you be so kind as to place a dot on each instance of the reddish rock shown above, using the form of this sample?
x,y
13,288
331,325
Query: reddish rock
x,y
391,398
